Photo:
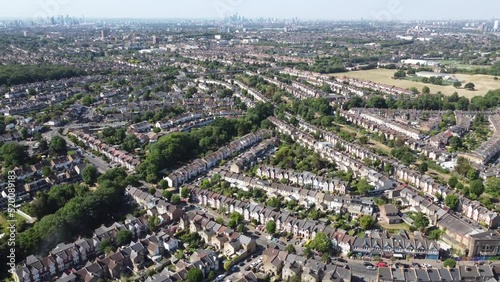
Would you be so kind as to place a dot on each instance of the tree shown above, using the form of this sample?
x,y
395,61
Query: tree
x,y
211,275
13,154
450,263
271,227
363,140
57,146
423,167
452,182
175,199
232,223
274,202
185,192
228,264
400,74
89,174
130,143
24,133
163,184
237,217
46,171
123,237
493,186
452,201
457,84
195,275
463,166
103,245
414,90
421,221
153,223
43,145
321,243
290,249
388,168
435,234
325,258
473,174
363,187
366,222
307,252
470,86
426,90
167,195
456,143
477,187
326,88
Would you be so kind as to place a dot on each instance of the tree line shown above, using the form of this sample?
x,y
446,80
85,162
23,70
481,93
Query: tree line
x,y
21,74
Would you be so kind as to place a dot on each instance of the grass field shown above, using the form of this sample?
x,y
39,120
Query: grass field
x,y
484,83
401,226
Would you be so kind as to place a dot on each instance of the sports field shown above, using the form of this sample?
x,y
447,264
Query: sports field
x,y
484,83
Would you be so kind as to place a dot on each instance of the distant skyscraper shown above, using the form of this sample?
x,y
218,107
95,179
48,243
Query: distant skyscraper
x,y
104,33
496,25
155,40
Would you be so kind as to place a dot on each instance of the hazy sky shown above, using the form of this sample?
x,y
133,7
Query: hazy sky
x,y
308,9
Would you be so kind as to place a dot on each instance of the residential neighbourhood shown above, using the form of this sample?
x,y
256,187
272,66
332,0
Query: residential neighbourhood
x,y
249,148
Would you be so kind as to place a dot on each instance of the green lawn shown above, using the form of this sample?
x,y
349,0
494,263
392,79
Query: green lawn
x,y
401,226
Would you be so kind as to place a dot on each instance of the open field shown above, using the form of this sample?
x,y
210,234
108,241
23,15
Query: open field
x,y
484,83
459,65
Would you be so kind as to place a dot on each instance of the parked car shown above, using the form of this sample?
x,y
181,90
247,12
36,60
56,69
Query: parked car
x,y
370,267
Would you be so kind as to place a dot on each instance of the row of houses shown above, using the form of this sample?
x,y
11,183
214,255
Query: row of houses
x,y
83,260
462,273
491,147
398,127
431,150
354,116
252,92
333,185
471,209
303,196
288,266
297,90
199,166
232,244
250,157
155,206
308,228
332,152
116,155
336,86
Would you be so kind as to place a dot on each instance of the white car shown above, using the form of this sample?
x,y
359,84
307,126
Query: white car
x,y
220,277
370,267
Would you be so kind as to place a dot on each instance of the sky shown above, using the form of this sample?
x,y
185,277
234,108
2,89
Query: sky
x,y
213,9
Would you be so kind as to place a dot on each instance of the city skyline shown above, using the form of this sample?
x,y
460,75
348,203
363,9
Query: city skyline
x,y
218,9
